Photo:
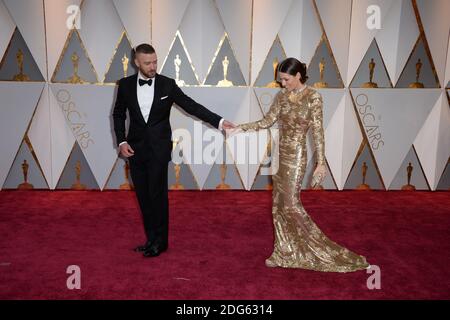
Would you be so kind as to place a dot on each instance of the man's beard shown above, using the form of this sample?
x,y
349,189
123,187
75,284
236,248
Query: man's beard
x,y
149,75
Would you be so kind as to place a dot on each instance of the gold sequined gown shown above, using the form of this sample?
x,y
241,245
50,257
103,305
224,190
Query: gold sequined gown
x,y
299,243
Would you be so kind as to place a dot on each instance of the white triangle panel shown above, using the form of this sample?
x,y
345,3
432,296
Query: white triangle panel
x,y
16,110
268,17
88,113
433,142
56,20
202,29
335,15
136,18
51,138
392,118
352,139
331,99
7,26
100,32
40,134
29,18
306,34
291,30
253,156
334,140
360,35
301,31
164,29
236,17
434,16
342,133
398,36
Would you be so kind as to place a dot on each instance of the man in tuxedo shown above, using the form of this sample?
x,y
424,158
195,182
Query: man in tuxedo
x,y
148,97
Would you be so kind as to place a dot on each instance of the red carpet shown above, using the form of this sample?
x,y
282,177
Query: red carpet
x,y
218,243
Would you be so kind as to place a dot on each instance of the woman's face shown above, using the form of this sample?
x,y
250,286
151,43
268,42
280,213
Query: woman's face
x,y
290,82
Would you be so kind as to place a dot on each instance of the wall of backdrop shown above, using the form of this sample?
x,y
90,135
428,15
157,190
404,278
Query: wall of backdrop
x,y
382,67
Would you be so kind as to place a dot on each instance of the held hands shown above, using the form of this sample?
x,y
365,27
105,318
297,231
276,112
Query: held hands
x,y
229,128
318,176
126,151
228,125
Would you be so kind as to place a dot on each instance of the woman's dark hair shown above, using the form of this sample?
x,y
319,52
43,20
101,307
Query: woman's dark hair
x,y
292,66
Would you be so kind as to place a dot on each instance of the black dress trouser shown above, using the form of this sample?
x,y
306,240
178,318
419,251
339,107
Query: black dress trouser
x,y
151,187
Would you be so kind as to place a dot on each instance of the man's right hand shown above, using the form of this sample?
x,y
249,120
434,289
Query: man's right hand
x,y
126,151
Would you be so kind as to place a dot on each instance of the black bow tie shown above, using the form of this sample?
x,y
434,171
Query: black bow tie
x,y
142,82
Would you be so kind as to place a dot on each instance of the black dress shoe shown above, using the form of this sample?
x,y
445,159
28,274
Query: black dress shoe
x,y
144,247
154,250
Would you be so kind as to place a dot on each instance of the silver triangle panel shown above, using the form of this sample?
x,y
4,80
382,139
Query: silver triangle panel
x,y
330,74
225,71
268,74
74,64
223,177
418,71
178,66
264,181
181,177
372,63
25,172
120,178
77,172
444,182
18,63
122,64
223,174
410,166
355,178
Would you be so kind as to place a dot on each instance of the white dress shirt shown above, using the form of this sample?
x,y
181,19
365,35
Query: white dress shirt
x,y
145,95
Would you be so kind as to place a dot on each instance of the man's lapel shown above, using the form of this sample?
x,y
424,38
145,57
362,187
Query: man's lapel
x,y
135,101
156,96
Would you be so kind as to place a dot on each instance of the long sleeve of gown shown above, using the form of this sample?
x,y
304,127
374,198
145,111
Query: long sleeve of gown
x,y
317,127
269,119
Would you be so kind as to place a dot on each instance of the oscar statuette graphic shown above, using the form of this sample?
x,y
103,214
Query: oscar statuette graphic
x,y
321,83
25,185
77,185
223,174
125,61
20,76
127,184
177,168
274,83
75,78
409,186
225,82
371,84
223,170
417,84
363,185
177,62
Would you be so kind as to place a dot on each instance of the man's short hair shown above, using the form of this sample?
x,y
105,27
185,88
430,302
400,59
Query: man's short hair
x,y
144,48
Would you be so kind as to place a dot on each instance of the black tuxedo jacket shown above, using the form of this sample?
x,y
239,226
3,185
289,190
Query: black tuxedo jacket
x,y
154,137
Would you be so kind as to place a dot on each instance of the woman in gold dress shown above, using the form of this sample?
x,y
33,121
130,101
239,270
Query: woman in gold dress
x,y
299,243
